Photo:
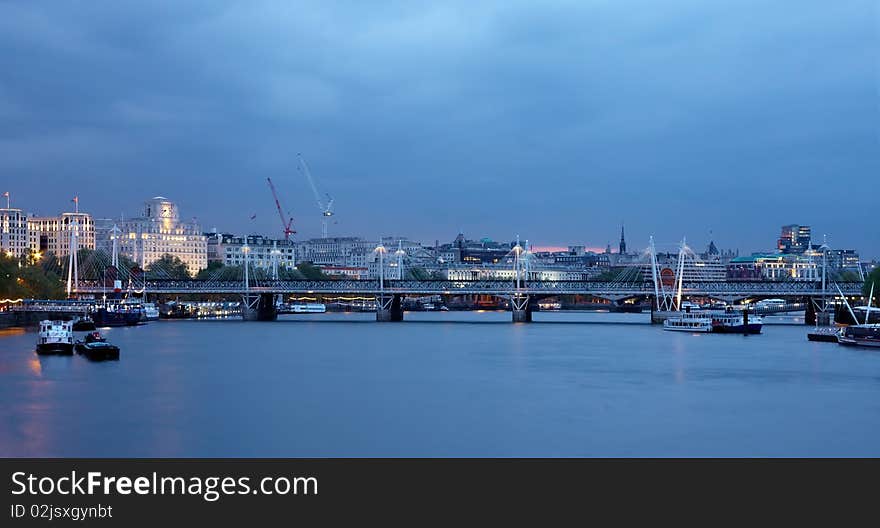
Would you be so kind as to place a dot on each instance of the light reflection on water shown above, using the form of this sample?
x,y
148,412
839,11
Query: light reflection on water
x,y
343,385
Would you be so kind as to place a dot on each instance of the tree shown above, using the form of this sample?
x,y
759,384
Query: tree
x,y
417,274
310,271
215,268
168,267
19,280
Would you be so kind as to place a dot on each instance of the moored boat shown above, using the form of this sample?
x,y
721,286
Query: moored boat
x,y
96,347
151,313
866,335
688,322
55,337
308,308
117,315
83,324
825,334
735,323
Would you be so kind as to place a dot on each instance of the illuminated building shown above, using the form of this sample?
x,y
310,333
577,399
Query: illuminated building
x,y
794,239
14,240
160,232
52,233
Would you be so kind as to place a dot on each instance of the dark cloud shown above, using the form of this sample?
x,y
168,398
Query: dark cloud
x,y
554,120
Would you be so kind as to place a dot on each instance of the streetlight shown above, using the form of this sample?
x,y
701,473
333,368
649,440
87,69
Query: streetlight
x,y
380,249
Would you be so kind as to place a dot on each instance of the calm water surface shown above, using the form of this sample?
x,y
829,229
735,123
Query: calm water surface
x,y
441,384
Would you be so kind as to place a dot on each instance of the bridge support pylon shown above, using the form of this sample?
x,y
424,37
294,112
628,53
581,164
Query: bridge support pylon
x,y
389,308
258,307
521,307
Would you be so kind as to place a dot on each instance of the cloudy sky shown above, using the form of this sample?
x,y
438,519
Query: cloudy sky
x,y
554,120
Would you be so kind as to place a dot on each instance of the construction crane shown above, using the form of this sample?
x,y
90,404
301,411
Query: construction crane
x,y
324,206
285,222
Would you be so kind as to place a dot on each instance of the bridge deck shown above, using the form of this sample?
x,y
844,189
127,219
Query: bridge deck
x,y
446,287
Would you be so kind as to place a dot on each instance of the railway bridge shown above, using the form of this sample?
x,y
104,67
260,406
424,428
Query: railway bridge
x,y
258,296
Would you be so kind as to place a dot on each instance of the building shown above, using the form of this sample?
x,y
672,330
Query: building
x,y
263,252
349,272
794,239
506,273
774,266
158,232
51,234
14,241
841,260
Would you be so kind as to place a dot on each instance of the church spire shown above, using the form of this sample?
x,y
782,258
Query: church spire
x,y
622,240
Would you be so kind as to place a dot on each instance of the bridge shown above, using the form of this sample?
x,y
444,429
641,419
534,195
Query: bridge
x,y
258,296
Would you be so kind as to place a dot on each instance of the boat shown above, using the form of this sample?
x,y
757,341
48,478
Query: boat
x,y
735,323
55,337
117,315
308,308
151,313
866,335
826,334
688,322
96,347
83,324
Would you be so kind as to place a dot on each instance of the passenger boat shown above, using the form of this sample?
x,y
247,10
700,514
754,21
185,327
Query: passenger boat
x,y
867,335
55,337
96,347
688,322
308,308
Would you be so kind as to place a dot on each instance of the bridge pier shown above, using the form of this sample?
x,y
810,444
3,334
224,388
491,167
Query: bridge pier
x,y
258,307
388,308
521,307
809,312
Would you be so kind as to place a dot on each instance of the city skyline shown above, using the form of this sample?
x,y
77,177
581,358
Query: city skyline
x,y
553,122
699,244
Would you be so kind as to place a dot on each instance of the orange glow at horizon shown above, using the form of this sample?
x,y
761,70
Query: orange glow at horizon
x,y
538,249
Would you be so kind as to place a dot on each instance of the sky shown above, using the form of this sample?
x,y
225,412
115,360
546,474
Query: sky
x,y
553,120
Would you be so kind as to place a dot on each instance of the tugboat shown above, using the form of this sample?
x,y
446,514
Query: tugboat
x,y
55,337
96,348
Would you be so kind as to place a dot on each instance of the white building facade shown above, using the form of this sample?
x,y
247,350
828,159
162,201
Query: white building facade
x,y
52,234
160,232
14,241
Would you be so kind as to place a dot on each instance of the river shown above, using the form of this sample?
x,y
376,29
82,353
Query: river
x,y
440,384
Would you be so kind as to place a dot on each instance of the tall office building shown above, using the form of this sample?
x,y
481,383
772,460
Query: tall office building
x,y
794,239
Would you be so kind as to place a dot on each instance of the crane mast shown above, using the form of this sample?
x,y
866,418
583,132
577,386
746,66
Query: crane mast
x,y
285,222
325,207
